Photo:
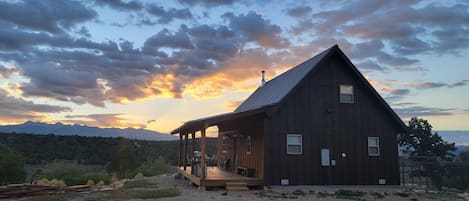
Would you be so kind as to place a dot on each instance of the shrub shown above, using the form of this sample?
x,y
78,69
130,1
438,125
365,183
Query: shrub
x,y
153,167
11,166
99,176
347,193
60,184
71,174
90,182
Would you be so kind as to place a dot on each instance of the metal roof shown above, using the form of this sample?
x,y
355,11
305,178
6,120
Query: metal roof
x,y
276,89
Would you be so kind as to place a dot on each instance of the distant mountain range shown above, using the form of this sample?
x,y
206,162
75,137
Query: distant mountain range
x,y
30,127
460,137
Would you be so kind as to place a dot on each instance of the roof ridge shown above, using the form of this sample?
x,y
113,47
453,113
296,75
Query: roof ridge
x,y
274,90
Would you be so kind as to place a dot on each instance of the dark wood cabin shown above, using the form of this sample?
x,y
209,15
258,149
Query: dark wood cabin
x,y
319,123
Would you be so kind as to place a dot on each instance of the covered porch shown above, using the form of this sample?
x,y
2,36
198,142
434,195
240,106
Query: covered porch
x,y
218,177
229,126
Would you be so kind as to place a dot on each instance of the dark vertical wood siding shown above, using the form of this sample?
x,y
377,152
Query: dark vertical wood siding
x,y
313,110
252,126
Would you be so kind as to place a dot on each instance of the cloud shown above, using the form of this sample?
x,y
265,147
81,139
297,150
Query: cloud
x,y
396,92
48,15
233,104
421,111
207,3
299,12
7,72
463,82
369,65
165,38
414,29
253,27
121,5
102,120
166,16
426,85
13,109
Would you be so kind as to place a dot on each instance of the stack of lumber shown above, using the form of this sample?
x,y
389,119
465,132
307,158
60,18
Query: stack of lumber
x,y
78,188
22,190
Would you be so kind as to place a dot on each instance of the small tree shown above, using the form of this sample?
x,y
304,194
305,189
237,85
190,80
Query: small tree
x,y
123,162
429,148
11,167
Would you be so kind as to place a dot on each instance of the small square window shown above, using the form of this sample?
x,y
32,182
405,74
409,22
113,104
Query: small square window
x,y
346,93
294,144
373,146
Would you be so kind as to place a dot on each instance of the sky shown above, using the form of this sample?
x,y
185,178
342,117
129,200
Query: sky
x,y
157,64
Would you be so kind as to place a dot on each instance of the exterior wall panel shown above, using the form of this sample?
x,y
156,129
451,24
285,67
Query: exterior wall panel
x,y
313,110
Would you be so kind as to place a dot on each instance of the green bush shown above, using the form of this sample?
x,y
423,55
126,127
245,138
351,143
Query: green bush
x,y
60,184
99,176
11,167
71,174
153,167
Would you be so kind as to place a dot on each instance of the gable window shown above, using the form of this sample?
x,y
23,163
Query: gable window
x,y
373,146
346,93
294,144
248,144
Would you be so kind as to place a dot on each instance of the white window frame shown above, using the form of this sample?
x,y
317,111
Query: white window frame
x,y
373,146
248,145
300,144
346,94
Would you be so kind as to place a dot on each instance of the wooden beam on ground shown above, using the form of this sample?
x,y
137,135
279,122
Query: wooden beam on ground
x,y
184,161
204,152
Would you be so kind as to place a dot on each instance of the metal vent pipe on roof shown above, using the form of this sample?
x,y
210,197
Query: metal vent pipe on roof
x,y
263,78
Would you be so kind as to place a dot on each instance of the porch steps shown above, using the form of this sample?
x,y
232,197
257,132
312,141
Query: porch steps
x,y
236,186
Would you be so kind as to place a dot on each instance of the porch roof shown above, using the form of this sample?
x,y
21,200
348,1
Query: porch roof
x,y
198,124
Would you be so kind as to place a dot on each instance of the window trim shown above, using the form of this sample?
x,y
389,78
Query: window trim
x,y
352,94
377,146
300,144
248,144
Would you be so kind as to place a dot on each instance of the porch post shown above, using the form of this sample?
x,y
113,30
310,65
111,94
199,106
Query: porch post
x,y
180,150
193,148
203,150
184,161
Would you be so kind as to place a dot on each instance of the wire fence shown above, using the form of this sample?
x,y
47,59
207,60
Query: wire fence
x,y
432,173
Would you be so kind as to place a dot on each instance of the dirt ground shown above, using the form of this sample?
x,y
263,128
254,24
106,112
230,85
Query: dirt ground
x,y
189,192
300,193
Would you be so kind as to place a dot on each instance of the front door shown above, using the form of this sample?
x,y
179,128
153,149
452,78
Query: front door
x,y
235,154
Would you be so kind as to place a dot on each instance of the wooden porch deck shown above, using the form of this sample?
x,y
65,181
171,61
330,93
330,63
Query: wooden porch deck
x,y
218,177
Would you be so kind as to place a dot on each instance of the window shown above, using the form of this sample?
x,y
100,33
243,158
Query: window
x,y
248,145
294,144
225,142
346,93
373,146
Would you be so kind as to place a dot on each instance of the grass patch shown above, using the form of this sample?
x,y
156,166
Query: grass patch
x,y
143,183
299,192
144,194
349,193
442,195
322,194
60,197
402,194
